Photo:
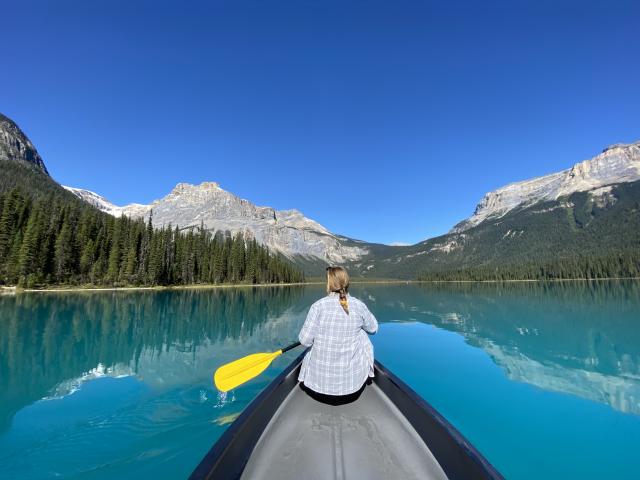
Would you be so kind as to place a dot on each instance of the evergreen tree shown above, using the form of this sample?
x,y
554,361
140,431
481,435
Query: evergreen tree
x,y
28,268
9,225
64,253
113,270
132,253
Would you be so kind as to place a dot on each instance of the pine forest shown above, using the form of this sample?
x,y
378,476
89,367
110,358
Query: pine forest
x,y
46,239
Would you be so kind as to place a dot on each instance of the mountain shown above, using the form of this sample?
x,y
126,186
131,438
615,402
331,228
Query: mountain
x,y
587,212
616,164
22,166
15,146
286,231
562,222
588,209
50,236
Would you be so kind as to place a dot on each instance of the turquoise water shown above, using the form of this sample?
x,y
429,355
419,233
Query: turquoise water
x,y
543,378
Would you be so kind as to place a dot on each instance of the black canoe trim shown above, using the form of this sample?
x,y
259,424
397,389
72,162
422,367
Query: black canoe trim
x,y
459,459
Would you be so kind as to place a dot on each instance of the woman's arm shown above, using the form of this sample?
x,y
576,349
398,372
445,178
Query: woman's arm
x,y
310,327
369,322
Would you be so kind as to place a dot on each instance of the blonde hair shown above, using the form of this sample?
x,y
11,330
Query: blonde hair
x,y
338,282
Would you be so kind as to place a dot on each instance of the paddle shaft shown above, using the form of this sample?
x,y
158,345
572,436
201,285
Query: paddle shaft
x,y
291,347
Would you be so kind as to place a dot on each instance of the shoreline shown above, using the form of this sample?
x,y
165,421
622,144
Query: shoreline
x,y
546,280
12,290
158,288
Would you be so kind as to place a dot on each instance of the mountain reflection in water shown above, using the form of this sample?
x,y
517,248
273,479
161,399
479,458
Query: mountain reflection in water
x,y
118,384
580,338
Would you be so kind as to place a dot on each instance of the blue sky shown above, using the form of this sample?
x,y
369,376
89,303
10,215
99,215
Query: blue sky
x,y
383,120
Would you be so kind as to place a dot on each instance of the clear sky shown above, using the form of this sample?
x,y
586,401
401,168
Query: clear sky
x,y
383,120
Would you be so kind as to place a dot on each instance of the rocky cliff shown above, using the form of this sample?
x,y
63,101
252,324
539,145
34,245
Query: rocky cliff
x,y
15,146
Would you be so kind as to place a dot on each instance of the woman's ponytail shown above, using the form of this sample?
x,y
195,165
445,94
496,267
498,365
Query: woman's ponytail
x,y
338,282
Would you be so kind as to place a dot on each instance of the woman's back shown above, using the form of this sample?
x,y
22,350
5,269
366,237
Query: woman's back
x,y
341,356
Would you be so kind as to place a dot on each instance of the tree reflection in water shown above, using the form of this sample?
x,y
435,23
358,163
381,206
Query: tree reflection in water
x,y
50,340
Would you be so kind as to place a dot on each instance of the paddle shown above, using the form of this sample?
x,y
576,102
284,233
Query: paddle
x,y
235,373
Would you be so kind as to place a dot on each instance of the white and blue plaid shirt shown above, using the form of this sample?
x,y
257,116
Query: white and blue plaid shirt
x,y
341,355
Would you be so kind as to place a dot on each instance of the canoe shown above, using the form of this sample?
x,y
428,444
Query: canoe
x,y
389,432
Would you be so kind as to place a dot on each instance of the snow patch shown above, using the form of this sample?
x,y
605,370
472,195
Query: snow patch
x,y
449,246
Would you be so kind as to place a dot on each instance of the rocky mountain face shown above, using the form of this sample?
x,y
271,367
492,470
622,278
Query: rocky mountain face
x,y
190,206
616,164
15,146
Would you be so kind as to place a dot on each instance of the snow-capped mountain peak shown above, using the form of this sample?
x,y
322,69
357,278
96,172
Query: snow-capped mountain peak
x,y
96,200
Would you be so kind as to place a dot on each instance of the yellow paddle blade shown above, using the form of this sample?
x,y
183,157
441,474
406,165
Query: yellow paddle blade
x,y
235,373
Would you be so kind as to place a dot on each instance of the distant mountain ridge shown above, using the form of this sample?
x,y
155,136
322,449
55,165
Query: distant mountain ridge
x,y
292,234
601,223
618,163
191,206
589,210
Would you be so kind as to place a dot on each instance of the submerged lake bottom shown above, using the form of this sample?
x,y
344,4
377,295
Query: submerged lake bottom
x,y
544,379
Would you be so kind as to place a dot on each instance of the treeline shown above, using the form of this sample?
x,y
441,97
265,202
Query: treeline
x,y
614,265
48,240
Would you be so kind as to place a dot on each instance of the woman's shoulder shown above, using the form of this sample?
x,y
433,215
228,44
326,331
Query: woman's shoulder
x,y
356,301
332,297
321,301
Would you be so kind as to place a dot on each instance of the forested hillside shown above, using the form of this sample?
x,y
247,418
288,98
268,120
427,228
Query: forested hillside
x,y
49,237
608,265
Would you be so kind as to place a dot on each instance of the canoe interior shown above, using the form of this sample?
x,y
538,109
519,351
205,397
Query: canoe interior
x,y
368,439
389,432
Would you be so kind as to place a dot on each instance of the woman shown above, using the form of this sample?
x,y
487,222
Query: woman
x,y
341,357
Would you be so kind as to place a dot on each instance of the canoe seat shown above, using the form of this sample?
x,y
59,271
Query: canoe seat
x,y
368,439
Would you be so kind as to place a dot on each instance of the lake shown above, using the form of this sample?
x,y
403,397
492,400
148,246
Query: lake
x,y
544,379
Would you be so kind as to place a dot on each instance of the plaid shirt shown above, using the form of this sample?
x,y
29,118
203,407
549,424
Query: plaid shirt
x,y
341,355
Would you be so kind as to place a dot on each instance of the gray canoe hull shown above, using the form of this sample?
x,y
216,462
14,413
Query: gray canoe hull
x,y
368,439
388,432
